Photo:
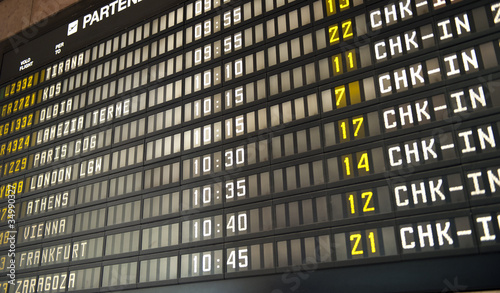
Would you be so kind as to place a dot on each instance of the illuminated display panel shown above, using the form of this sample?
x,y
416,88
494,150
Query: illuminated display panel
x,y
223,139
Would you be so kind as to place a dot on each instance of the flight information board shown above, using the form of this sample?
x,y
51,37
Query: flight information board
x,y
148,145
